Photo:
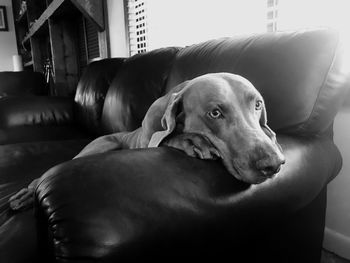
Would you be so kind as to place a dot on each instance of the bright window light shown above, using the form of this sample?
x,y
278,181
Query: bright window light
x,y
297,14
185,22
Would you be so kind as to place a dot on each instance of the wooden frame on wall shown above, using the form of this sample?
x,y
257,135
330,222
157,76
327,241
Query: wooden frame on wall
x,y
3,19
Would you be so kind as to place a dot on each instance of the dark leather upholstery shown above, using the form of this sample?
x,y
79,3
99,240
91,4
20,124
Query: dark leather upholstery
x,y
91,92
37,118
22,83
19,165
36,110
36,133
161,205
139,83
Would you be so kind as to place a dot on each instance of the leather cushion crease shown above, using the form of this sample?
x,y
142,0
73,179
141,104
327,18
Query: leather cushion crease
x,y
139,83
91,92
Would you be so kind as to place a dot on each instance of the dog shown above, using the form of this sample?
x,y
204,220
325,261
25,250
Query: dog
x,y
213,116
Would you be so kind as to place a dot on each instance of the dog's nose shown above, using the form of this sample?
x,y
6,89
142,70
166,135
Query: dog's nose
x,y
269,171
269,167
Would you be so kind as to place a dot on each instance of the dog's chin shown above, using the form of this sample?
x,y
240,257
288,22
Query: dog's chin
x,y
248,176
254,180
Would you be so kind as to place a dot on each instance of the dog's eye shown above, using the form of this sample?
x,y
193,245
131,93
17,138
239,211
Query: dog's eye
x,y
214,114
258,105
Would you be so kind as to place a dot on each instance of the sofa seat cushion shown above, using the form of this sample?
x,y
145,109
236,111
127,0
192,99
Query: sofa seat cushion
x,y
38,118
19,165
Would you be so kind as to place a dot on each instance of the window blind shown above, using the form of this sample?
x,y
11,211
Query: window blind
x,y
137,26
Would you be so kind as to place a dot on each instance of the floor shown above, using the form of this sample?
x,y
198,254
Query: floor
x,y
329,257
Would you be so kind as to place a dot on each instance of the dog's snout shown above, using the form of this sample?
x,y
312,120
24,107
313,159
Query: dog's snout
x,y
270,166
269,171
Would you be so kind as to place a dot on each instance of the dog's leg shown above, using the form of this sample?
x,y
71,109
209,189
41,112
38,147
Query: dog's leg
x,y
102,144
115,141
24,198
194,145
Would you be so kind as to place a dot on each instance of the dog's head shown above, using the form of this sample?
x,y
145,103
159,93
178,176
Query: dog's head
x,y
228,111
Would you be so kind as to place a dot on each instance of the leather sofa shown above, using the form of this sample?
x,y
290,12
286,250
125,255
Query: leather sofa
x,y
159,204
22,83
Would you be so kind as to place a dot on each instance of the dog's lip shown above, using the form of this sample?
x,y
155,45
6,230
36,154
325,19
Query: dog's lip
x,y
236,169
216,154
258,179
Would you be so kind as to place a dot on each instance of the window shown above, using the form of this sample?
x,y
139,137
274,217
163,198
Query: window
x,y
160,23
270,15
88,42
137,25
270,27
270,3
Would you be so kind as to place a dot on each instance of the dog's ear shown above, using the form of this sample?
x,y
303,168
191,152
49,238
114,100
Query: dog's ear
x,y
160,120
263,124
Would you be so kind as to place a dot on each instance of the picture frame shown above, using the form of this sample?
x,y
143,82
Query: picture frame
x,y
3,19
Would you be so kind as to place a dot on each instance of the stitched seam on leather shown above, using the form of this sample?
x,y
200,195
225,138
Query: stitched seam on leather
x,y
305,124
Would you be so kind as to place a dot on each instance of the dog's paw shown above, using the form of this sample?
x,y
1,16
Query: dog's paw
x,y
193,145
22,200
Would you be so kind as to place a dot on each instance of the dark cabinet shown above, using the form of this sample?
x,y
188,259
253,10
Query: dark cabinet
x,y
60,37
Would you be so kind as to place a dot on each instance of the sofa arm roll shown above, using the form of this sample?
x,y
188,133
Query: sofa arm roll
x,y
136,203
35,110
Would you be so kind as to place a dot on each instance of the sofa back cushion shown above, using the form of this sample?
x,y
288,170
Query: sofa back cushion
x,y
140,81
299,74
91,91
22,83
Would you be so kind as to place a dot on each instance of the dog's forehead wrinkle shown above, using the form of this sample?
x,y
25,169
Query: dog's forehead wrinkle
x,y
223,90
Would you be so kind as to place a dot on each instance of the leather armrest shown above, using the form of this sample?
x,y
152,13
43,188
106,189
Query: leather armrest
x,y
128,203
35,110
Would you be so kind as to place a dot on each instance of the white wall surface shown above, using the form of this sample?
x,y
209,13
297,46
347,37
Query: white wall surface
x,y
337,232
8,46
117,32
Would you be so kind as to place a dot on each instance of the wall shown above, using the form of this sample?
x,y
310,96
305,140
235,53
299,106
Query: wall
x,y
8,46
337,232
117,33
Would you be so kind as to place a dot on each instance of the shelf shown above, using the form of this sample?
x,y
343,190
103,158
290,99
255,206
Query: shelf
x,y
29,63
48,29
40,23
54,10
